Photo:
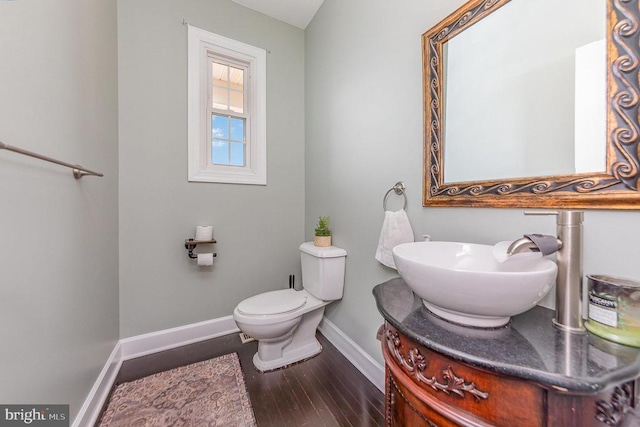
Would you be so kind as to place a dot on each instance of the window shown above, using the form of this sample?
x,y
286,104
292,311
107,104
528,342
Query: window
x,y
227,110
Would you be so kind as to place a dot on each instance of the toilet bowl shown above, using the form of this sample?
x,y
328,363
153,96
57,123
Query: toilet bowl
x,y
284,321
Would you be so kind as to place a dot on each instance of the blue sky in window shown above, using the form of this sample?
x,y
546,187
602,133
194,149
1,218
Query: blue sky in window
x,y
220,126
228,141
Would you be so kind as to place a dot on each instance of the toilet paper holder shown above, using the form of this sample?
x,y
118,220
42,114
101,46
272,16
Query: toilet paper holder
x,y
190,245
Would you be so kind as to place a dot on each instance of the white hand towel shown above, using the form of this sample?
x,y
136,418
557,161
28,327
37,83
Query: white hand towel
x,y
396,229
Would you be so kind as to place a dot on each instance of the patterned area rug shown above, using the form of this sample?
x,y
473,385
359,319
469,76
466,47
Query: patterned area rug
x,y
209,393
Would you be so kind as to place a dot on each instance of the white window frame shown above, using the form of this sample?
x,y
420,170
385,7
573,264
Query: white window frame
x,y
201,45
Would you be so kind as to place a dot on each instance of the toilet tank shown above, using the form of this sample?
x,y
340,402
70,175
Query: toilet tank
x,y
323,270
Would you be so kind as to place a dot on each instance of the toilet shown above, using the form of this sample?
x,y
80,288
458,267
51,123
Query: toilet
x,y
284,322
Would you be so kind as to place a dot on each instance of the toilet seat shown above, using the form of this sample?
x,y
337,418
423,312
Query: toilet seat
x,y
272,303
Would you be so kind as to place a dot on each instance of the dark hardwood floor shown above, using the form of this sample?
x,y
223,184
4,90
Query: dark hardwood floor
x,y
323,391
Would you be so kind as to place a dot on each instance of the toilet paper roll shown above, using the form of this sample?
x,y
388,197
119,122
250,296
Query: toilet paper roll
x,y
205,259
204,232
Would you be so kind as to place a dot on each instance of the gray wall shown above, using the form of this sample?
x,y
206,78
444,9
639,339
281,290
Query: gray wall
x,y
258,228
58,236
364,132
358,66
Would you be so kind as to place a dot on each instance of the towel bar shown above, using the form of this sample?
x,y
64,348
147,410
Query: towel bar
x,y
78,171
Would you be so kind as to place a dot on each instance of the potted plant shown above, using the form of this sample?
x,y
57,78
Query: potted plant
x,y
323,233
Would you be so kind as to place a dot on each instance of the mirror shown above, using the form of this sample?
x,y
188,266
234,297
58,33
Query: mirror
x,y
543,128
505,108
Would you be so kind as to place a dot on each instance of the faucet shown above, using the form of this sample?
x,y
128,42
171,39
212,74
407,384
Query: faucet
x,y
535,243
568,245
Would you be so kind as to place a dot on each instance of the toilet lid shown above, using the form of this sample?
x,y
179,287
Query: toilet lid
x,y
274,302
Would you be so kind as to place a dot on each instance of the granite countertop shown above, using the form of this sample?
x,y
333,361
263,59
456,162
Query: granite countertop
x,y
530,347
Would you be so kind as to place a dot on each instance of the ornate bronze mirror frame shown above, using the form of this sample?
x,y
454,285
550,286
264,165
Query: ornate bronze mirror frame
x,y
618,187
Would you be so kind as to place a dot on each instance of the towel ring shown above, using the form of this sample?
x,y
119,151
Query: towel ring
x,y
399,190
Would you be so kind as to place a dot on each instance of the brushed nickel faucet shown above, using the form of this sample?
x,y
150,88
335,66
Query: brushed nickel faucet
x,y
568,247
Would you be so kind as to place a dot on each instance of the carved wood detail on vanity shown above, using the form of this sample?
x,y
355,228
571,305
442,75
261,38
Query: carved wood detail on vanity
x,y
415,398
612,412
416,364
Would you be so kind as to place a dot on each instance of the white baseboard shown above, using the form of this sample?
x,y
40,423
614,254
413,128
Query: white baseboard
x,y
366,364
167,339
90,411
141,345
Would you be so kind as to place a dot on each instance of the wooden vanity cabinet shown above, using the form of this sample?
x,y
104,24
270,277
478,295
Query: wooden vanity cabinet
x,y
426,388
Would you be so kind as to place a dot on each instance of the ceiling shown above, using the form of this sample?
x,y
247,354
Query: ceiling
x,y
295,12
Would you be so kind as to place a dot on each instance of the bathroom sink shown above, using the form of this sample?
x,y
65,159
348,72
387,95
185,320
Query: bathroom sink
x,y
465,283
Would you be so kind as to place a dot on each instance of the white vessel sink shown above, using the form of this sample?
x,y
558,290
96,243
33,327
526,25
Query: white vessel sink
x,y
465,284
